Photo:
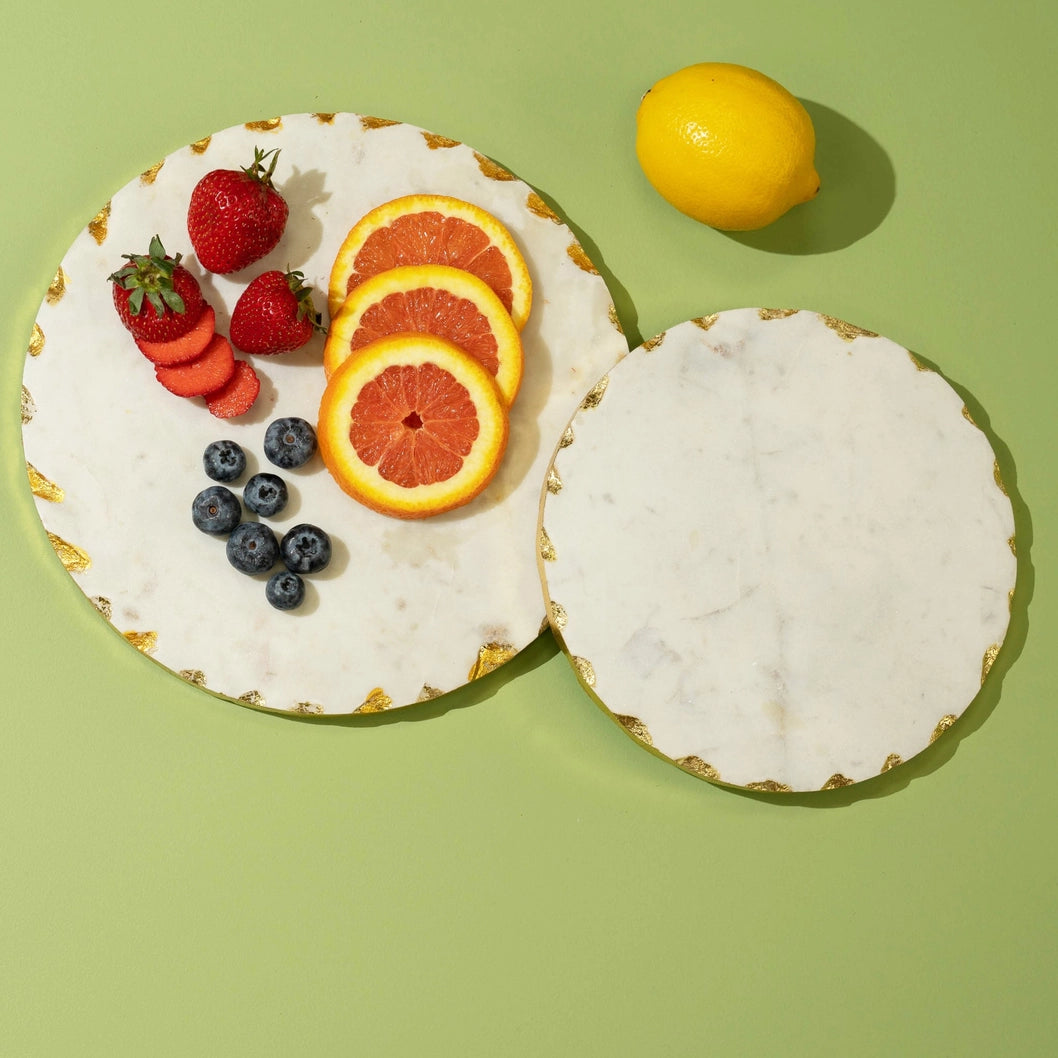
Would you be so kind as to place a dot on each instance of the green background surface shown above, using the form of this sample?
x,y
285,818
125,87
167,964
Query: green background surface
x,y
505,872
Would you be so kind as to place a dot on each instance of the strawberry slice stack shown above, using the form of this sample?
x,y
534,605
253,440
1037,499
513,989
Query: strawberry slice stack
x,y
161,305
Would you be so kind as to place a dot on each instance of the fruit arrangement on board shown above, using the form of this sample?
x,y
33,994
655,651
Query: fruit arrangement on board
x,y
422,360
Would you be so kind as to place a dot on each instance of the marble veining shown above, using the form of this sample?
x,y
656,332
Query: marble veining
x,y
782,547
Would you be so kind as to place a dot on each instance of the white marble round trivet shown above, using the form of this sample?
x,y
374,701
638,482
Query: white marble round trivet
x,y
406,611
777,549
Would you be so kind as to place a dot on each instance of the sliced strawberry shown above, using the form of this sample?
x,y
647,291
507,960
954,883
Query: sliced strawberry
x,y
187,347
237,395
206,373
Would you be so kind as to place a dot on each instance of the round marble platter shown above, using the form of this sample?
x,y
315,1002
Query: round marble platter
x,y
777,549
407,610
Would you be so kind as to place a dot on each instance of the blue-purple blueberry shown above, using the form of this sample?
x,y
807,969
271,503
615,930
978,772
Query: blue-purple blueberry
x,y
216,510
305,549
252,548
265,494
224,461
289,442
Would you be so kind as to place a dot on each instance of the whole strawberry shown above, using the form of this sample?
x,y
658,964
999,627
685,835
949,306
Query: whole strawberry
x,y
236,216
157,298
274,314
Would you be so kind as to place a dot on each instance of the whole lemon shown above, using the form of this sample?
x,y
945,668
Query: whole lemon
x,y
726,145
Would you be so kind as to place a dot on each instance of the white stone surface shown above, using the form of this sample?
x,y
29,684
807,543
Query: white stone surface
x,y
403,605
783,551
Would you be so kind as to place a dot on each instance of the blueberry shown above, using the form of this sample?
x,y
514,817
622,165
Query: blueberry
x,y
252,548
289,442
224,461
305,549
285,590
216,510
265,494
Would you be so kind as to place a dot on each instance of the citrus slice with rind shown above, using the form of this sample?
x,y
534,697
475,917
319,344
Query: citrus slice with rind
x,y
433,229
411,426
431,299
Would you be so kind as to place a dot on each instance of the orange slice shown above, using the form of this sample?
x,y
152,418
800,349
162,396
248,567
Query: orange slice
x,y
411,426
429,299
433,229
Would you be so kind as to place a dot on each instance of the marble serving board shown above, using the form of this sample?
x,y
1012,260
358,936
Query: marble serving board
x,y
777,549
406,611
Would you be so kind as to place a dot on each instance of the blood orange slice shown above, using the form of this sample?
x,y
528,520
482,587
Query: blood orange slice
x,y
411,426
433,229
430,299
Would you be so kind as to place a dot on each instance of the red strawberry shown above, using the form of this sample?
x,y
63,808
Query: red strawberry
x,y
274,314
236,216
207,372
189,345
237,395
157,298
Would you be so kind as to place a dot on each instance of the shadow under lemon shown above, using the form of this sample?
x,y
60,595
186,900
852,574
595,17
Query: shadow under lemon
x,y
858,190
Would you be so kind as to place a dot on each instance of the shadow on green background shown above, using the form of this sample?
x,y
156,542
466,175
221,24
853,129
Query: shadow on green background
x,y
858,190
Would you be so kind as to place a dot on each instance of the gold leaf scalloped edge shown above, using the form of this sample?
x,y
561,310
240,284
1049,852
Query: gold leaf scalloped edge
x,y
998,475
547,549
578,255
97,226
377,701
439,143
705,322
652,343
325,119
837,781
145,642
1012,543
989,660
944,724
919,364
594,396
614,319
254,698
968,417
303,708
266,125
696,766
103,605
846,331
557,616
57,287
368,123
567,438
539,208
769,786
490,657
553,481
493,170
584,669
776,314
41,487
891,762
73,558
148,176
29,407
195,676
635,727
36,341
428,693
